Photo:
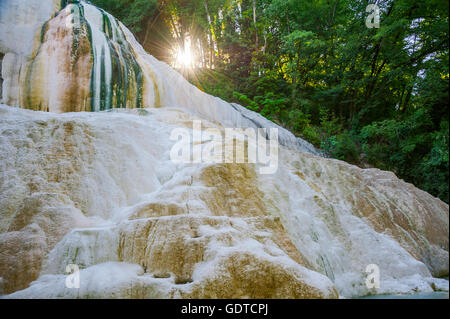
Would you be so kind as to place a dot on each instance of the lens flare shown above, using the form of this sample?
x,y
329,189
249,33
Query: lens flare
x,y
184,58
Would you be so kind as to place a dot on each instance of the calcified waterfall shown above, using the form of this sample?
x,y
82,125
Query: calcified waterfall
x,y
98,189
102,68
116,76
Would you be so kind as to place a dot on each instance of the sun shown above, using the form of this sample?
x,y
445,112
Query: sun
x,y
184,58
183,55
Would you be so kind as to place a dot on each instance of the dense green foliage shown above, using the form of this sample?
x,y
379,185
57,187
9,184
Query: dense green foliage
x,y
133,13
370,96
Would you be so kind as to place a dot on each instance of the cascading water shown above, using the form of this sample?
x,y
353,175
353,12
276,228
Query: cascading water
x,y
96,43
127,74
102,69
116,76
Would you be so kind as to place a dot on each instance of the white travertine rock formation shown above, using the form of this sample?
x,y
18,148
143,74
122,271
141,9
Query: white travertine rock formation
x,y
99,189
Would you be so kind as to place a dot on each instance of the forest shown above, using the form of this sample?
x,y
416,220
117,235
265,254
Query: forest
x,y
374,95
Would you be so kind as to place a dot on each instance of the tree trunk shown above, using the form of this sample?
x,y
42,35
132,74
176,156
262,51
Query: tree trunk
x,y
256,28
211,35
